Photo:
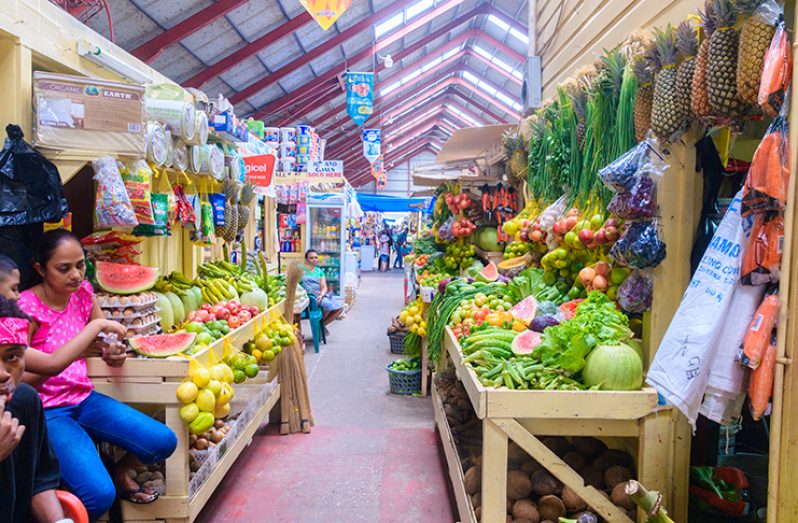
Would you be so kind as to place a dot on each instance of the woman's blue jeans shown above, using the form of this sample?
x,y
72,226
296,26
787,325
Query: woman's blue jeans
x,y
72,429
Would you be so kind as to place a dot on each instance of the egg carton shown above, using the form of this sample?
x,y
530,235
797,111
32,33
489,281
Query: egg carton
x,y
130,313
139,324
136,301
147,330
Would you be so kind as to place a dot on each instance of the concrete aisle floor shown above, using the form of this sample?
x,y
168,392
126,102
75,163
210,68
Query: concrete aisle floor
x,y
372,456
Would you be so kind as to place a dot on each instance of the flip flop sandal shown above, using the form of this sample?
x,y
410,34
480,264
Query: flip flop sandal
x,y
129,496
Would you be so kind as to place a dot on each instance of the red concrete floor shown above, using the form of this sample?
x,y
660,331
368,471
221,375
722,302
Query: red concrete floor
x,y
371,457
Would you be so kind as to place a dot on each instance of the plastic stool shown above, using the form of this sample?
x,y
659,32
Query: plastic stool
x,y
314,315
72,506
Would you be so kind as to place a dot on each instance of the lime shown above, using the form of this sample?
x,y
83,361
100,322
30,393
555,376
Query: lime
x,y
239,376
252,370
195,327
204,338
267,356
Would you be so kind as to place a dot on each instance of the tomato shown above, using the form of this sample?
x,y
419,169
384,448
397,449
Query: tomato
x,y
234,322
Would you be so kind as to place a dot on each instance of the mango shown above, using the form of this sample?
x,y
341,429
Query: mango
x,y
221,411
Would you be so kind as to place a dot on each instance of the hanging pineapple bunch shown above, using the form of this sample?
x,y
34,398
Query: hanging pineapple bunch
x,y
699,97
722,64
755,36
644,99
579,99
687,45
247,193
229,231
666,118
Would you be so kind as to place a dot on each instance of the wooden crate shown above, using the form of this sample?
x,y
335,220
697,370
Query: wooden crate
x,y
630,418
154,382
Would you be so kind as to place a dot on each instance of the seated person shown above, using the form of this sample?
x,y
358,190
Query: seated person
x,y
314,282
29,471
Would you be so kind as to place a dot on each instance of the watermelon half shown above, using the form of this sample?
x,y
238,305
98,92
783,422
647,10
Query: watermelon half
x,y
489,274
120,278
525,343
163,345
525,310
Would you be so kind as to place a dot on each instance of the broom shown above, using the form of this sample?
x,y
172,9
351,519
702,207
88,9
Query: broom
x,y
295,410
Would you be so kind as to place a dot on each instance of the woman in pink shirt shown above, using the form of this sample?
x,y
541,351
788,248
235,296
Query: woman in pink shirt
x,y
67,326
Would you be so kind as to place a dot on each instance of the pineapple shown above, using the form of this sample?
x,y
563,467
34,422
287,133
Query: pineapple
x,y
247,193
687,44
755,37
666,116
644,96
699,98
722,64
579,97
230,211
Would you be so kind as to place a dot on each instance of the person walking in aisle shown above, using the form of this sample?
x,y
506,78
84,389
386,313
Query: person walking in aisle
x,y
67,320
385,249
314,282
401,248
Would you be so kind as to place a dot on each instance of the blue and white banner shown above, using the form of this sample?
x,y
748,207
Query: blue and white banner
x,y
372,144
359,96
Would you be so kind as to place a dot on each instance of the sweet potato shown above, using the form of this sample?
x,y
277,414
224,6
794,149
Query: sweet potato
x,y
473,480
572,501
621,498
588,446
576,460
544,484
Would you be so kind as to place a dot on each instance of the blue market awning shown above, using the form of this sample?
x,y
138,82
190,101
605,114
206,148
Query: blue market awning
x,y
380,203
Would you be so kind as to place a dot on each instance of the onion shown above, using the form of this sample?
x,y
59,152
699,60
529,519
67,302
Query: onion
x,y
613,367
586,275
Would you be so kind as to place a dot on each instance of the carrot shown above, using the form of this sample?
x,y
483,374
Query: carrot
x,y
760,386
756,340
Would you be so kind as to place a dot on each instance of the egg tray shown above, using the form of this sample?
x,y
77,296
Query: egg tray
x,y
144,330
136,301
130,313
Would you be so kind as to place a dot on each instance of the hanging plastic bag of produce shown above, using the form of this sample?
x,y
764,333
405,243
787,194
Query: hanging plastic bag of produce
x,y
636,293
680,369
757,337
638,202
776,72
765,187
639,247
760,387
138,180
113,207
30,186
762,258
619,176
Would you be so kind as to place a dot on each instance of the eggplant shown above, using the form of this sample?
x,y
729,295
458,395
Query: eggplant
x,y
540,323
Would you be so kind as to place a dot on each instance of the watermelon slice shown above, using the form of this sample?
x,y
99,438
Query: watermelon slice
x,y
163,345
119,278
525,310
525,343
489,274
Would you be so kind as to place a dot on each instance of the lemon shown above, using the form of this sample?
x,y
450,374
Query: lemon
x,y
189,412
215,386
258,354
187,391
206,401
221,411
201,377
228,373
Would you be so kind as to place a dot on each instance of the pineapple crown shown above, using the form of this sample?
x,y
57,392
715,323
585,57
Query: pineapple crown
x,y
231,190
707,15
642,69
747,7
724,14
247,193
666,46
611,76
579,99
686,40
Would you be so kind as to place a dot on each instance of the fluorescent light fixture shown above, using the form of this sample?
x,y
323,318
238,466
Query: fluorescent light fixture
x,y
505,99
95,54
411,76
391,23
517,74
418,8
519,35
498,22
391,88
451,53
470,77
482,52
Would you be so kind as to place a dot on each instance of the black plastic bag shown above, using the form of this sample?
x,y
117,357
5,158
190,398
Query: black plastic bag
x,y
30,186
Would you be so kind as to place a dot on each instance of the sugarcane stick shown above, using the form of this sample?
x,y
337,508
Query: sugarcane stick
x,y
650,501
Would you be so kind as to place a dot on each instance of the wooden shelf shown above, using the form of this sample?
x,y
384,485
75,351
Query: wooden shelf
x,y
464,506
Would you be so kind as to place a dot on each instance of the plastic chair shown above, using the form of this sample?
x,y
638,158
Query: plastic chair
x,y
314,315
72,506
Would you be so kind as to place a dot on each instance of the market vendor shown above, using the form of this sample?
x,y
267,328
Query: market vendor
x,y
67,320
28,468
314,282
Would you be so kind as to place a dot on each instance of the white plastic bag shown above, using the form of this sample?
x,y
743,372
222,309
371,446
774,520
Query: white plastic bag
x,y
681,368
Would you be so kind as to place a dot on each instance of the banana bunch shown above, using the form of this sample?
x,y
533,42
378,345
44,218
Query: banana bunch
x,y
219,269
241,284
176,282
214,290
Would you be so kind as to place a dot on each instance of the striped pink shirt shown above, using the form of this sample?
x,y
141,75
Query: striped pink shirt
x,y
55,329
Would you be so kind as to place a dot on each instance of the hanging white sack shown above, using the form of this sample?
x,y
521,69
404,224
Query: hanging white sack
x,y
680,370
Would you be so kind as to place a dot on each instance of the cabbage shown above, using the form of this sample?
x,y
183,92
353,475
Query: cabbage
x,y
613,367
255,298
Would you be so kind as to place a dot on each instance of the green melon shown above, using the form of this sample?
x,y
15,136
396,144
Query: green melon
x,y
163,345
177,307
189,302
197,292
486,239
234,292
166,313
120,278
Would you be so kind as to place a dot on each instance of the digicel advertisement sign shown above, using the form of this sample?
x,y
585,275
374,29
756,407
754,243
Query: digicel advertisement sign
x,y
260,169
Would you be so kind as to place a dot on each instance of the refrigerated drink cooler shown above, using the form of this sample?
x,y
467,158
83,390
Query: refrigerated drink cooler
x,y
326,234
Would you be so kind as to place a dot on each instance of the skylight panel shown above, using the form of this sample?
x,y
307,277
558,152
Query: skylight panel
x,y
451,53
432,63
485,86
409,77
470,77
517,74
482,52
391,23
418,8
517,106
519,35
498,22
501,63
506,99
390,88
450,124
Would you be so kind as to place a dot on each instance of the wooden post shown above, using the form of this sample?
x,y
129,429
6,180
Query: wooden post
x,y
494,472
16,84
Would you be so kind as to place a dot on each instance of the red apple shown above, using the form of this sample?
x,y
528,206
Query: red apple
x,y
206,306
254,311
586,236
244,316
612,234
203,315
234,322
600,237
223,314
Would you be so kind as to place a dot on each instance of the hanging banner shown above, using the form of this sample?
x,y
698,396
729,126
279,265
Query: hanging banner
x,y
382,181
359,96
376,168
326,12
259,169
372,144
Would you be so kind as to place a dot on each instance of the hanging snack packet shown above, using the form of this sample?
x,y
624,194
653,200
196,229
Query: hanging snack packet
x,y
636,293
639,246
639,201
776,72
138,179
217,201
206,210
760,387
184,209
762,257
113,208
757,338
765,187
160,212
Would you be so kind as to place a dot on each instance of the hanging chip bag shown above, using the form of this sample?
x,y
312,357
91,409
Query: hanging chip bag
x,y
217,201
138,179
113,207
160,211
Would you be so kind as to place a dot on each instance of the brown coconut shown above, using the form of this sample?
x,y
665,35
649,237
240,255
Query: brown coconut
x,y
544,484
551,507
588,446
519,485
576,460
525,509
593,476
572,501
621,498
615,475
473,480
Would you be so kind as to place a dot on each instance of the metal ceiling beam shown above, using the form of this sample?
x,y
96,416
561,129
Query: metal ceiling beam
x,y
317,98
363,170
368,52
475,103
251,49
325,46
149,51
495,67
509,20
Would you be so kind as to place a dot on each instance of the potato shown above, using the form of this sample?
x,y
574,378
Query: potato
x,y
525,509
516,455
557,444
530,467
473,480
519,485
201,444
551,507
476,500
615,475
576,460
620,498
572,501
544,484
